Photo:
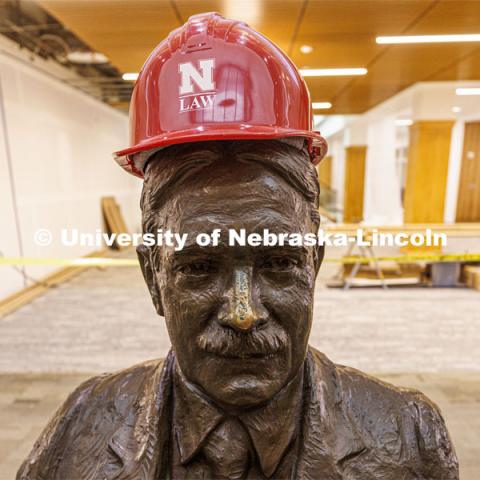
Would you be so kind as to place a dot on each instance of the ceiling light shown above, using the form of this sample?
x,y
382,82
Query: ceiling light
x,y
470,37
306,49
87,58
404,122
130,76
321,105
468,91
331,72
456,109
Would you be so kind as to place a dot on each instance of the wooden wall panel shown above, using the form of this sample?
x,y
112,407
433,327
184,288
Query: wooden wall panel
x,y
354,183
468,203
427,171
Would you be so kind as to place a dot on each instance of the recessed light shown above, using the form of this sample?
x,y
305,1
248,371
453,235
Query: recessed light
x,y
331,72
404,122
456,109
321,105
469,37
306,49
130,77
468,91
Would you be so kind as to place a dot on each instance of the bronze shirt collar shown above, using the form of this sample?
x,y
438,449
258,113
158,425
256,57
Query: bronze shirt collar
x,y
272,427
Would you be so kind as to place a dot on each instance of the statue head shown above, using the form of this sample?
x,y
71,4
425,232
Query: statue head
x,y
238,317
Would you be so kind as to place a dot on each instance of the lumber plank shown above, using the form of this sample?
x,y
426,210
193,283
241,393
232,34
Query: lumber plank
x,y
113,218
26,295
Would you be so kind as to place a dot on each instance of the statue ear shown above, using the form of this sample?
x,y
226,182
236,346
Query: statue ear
x,y
148,270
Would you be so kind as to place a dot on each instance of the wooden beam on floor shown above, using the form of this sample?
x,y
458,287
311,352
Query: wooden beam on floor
x,y
472,277
26,295
325,213
113,218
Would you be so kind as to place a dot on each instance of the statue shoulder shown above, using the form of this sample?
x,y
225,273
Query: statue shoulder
x,y
91,413
397,425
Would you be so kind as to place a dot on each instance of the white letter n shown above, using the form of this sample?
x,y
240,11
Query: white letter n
x,y
204,80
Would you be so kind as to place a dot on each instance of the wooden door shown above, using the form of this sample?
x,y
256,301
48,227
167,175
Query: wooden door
x,y
427,169
354,183
468,201
325,172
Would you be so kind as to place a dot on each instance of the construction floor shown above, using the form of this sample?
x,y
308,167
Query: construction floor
x,y
103,320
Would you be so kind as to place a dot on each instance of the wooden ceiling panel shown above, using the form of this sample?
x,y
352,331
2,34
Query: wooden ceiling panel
x,y
448,17
353,100
331,51
395,71
273,18
342,33
324,89
371,17
466,69
124,30
403,65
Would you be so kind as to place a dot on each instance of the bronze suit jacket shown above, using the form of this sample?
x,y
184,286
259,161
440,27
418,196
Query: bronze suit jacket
x,y
117,426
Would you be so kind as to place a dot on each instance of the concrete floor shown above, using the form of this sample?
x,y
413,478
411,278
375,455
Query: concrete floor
x,y
103,320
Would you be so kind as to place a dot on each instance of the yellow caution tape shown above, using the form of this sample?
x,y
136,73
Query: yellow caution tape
x,y
71,262
132,262
448,257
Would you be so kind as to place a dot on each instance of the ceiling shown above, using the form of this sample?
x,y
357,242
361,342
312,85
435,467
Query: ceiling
x,y
341,32
35,30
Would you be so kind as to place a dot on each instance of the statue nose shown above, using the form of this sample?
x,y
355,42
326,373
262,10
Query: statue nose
x,y
241,311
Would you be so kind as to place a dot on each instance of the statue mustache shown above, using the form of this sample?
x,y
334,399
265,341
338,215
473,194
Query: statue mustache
x,y
227,342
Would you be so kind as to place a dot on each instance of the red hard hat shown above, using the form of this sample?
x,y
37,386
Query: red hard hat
x,y
216,79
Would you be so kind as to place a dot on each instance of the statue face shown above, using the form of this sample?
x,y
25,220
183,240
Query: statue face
x,y
238,317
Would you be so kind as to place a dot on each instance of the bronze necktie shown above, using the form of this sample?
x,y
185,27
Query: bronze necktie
x,y
227,451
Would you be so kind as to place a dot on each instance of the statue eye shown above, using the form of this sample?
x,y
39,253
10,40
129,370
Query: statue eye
x,y
279,263
198,267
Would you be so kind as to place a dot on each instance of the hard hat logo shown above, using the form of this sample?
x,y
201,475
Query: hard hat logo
x,y
190,74
202,78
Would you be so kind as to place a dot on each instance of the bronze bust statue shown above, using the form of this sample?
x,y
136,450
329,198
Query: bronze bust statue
x,y
241,394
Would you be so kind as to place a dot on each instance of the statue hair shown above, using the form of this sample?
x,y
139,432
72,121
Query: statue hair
x,y
168,168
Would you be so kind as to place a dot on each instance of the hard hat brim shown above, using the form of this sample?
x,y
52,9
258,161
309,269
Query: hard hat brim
x,y
126,158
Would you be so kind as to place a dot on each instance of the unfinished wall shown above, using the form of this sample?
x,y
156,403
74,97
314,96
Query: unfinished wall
x,y
55,163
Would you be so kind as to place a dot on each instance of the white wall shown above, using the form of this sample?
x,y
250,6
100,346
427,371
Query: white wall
x,y
61,144
382,193
454,168
337,151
